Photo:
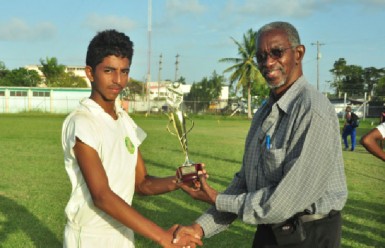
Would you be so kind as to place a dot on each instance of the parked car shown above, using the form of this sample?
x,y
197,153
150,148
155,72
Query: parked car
x,y
154,109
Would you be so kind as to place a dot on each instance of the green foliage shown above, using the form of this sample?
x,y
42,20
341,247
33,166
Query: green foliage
x,y
380,89
52,70
56,76
205,91
355,80
20,77
2,66
181,80
245,71
134,87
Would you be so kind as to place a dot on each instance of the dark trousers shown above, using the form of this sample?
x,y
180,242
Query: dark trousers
x,y
349,130
324,233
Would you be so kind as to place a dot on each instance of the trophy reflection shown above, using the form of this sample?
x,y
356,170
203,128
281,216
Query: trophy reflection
x,y
179,120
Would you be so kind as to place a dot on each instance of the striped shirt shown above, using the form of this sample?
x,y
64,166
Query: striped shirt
x,y
292,162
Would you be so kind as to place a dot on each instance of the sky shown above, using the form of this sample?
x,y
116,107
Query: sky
x,y
198,32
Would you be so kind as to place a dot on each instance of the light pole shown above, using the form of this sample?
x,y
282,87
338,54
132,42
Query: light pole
x,y
160,69
149,55
318,44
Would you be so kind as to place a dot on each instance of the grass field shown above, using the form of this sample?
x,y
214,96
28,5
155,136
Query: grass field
x,y
34,187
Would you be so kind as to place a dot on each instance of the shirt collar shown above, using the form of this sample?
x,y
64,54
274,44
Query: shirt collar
x,y
95,108
291,94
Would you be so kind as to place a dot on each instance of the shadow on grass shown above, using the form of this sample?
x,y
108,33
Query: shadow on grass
x,y
356,229
17,218
206,155
178,208
363,174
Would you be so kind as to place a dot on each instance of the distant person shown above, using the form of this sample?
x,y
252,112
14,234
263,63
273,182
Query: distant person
x,y
102,158
349,128
291,184
371,141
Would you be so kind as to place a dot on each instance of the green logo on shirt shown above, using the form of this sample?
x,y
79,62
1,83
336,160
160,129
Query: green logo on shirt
x,y
129,145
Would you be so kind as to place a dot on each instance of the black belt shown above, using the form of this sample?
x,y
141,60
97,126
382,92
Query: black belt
x,y
313,217
310,217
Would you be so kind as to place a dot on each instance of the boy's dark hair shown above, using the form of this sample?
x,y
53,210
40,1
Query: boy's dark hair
x,y
106,43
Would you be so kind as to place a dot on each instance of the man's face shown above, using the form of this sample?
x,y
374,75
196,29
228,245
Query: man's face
x,y
109,78
278,60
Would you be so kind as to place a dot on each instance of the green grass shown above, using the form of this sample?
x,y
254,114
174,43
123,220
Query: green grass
x,y
34,187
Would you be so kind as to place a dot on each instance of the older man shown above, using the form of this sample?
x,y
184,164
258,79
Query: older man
x,y
292,183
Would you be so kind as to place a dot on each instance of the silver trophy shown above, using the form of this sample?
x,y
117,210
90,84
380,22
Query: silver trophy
x,y
188,171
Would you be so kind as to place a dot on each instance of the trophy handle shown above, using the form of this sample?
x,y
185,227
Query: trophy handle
x,y
192,124
172,120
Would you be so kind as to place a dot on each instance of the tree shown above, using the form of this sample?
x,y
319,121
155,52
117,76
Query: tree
x,y
205,91
372,76
261,91
53,72
134,87
348,78
245,70
20,77
56,76
380,89
353,81
69,79
181,80
2,66
3,72
338,72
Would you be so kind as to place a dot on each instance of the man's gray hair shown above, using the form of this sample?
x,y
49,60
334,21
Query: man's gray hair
x,y
289,29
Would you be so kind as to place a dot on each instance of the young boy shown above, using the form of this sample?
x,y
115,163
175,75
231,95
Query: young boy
x,y
103,161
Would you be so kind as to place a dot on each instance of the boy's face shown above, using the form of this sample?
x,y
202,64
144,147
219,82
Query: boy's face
x,y
109,78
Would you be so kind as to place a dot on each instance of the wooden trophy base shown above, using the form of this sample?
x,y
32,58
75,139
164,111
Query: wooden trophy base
x,y
188,173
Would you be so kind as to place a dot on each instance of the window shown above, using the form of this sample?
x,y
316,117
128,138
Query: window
x,y
18,93
2,93
41,93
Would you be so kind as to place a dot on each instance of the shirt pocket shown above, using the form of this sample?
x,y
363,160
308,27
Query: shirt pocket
x,y
272,164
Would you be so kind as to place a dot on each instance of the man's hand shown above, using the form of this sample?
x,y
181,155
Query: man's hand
x,y
194,231
204,192
183,241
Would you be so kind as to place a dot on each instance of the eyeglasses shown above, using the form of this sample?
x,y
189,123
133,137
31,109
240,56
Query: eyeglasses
x,y
274,53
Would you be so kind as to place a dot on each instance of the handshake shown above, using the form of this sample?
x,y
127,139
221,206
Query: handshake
x,y
190,236
187,236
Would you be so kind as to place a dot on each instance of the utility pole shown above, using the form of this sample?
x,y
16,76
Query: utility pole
x,y
149,13
160,69
318,44
176,67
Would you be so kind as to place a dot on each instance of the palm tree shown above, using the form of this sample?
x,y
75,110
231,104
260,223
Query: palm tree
x,y
245,70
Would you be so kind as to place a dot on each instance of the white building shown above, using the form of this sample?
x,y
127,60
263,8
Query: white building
x,y
159,90
51,100
64,100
